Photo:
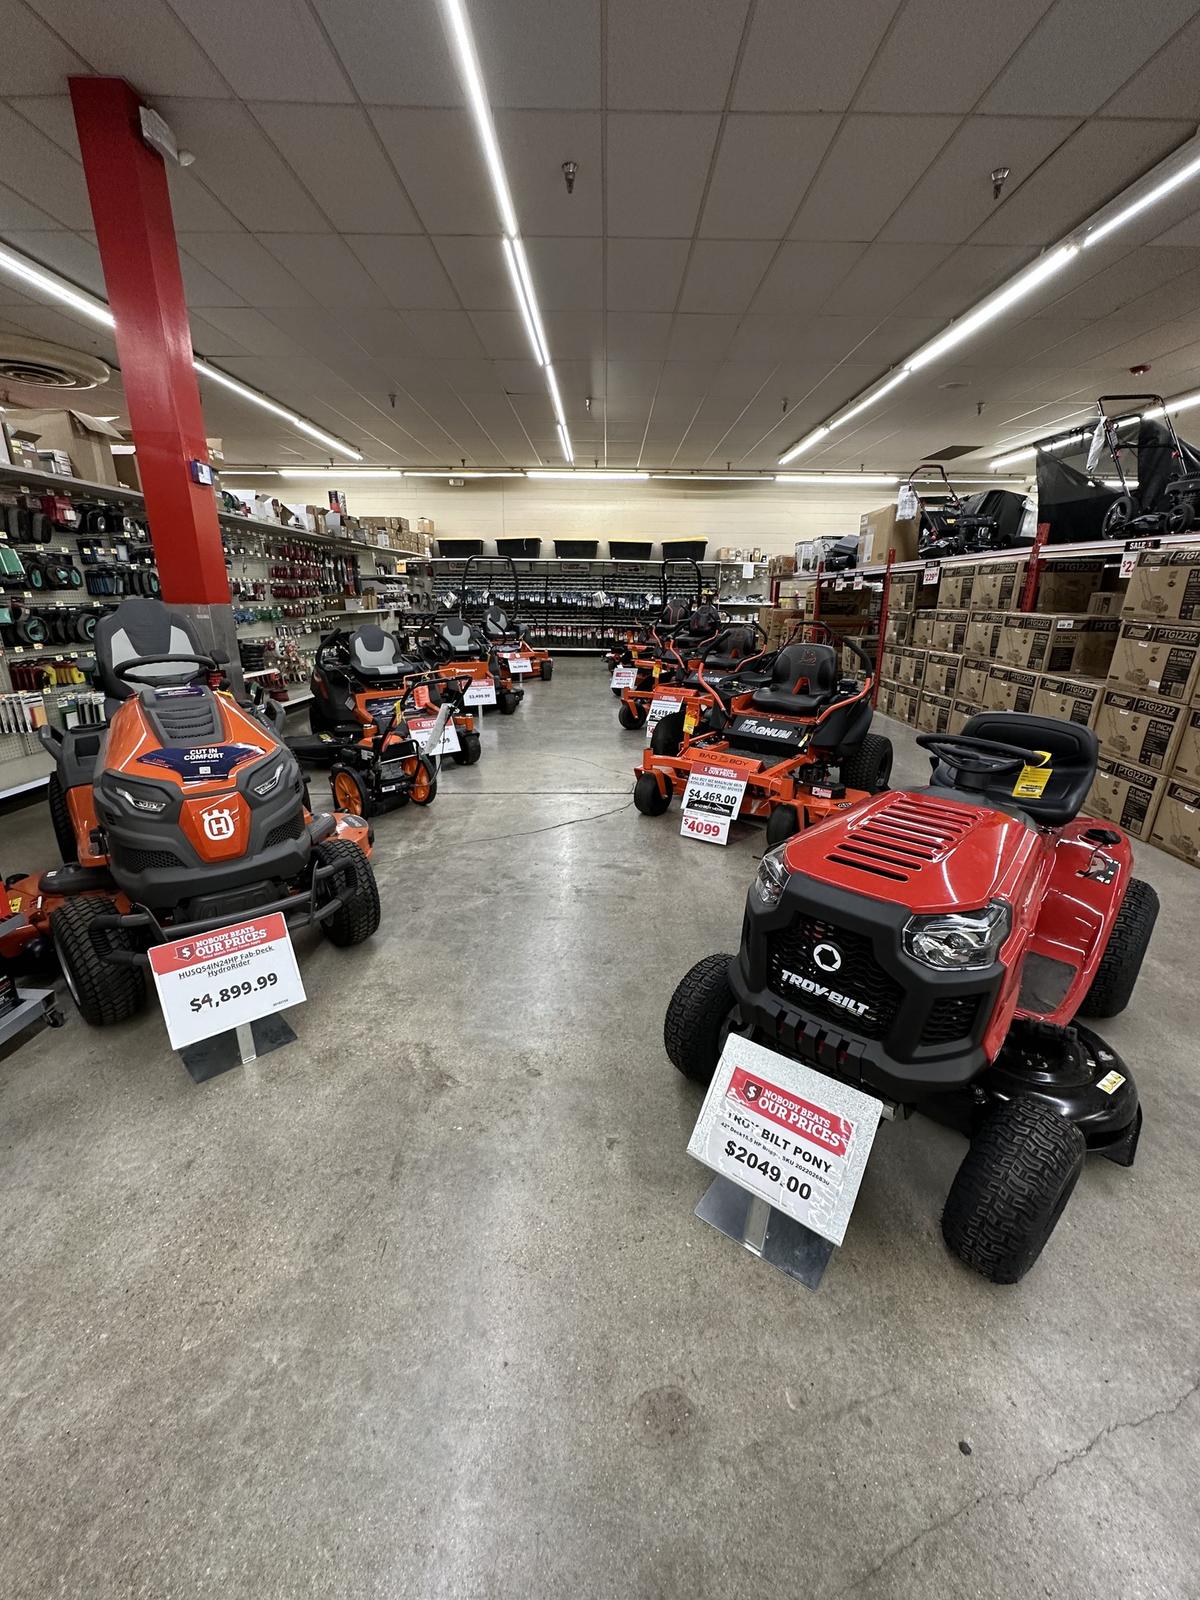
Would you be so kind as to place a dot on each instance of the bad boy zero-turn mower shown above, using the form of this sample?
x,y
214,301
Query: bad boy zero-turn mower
x,y
503,631
935,948
184,813
673,647
801,741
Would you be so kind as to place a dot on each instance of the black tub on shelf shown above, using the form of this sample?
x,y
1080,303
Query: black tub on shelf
x,y
576,549
460,547
630,549
518,547
684,549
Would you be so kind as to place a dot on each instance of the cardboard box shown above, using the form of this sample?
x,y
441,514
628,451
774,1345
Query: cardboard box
x,y
1156,658
941,673
899,627
997,585
949,630
921,632
1106,602
934,712
954,591
1187,754
1069,699
972,680
1140,728
84,439
1125,794
1176,826
1078,645
982,635
1165,585
1069,585
960,716
905,701
879,531
883,700
1007,689
910,667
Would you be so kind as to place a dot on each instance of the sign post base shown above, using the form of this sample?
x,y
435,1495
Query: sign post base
x,y
237,1048
767,1233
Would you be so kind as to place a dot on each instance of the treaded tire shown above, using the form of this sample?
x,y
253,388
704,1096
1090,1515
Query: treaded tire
x,y
60,820
696,1015
430,794
547,670
783,822
358,917
507,702
105,992
631,718
361,803
668,735
870,766
1124,953
648,798
471,748
1011,1188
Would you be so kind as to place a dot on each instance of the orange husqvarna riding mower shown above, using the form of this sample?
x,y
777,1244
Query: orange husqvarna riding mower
x,y
935,948
801,741
184,813
505,634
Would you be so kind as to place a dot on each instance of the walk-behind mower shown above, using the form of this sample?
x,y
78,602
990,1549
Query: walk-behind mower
x,y
993,520
801,741
934,947
183,814
1163,496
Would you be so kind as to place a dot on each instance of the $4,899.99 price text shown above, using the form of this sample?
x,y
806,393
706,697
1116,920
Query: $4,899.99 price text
x,y
235,991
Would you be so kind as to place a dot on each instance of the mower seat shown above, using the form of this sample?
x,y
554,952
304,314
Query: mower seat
x,y
376,656
729,649
804,681
1073,754
496,624
141,627
458,638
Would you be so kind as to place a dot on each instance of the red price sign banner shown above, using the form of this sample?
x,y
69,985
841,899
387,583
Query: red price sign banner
x,y
215,981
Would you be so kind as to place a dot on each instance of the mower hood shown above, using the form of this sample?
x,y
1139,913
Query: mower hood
x,y
927,850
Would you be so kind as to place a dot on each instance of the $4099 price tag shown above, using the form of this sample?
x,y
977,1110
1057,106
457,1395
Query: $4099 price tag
x,y
216,981
712,799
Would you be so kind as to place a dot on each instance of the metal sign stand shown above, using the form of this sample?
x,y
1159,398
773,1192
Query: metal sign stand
x,y
237,1047
777,1239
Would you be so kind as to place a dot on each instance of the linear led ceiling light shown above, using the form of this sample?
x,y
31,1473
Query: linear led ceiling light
x,y
343,474
805,444
1151,197
994,306
715,477
338,446
615,476
867,478
469,472
864,405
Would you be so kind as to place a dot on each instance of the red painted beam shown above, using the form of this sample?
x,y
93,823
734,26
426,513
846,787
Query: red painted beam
x,y
131,207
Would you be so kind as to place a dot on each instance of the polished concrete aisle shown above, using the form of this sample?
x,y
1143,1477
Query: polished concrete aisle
x,y
418,1307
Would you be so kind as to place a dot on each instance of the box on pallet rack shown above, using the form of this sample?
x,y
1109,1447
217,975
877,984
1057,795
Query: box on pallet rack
x,y
949,630
1156,658
934,712
910,667
908,593
960,715
1069,585
1176,826
1125,794
904,702
899,627
954,590
921,633
982,635
1008,689
1165,585
1106,602
1069,699
1140,728
1187,756
941,672
997,585
1071,645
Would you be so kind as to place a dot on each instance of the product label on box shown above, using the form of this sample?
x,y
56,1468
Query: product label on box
x,y
218,980
712,799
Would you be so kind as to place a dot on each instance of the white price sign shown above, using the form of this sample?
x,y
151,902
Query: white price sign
x,y
482,692
712,799
520,666
216,981
788,1134
931,572
665,703
624,677
421,729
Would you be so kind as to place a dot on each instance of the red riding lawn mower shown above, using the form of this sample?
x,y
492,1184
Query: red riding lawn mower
x,y
184,813
935,948
800,740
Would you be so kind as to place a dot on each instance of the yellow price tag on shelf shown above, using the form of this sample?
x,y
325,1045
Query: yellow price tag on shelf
x,y
1031,784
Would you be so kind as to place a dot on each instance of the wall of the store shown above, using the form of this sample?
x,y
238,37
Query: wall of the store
x,y
771,516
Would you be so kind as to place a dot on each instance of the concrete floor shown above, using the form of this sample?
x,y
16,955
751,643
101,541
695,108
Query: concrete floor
x,y
418,1307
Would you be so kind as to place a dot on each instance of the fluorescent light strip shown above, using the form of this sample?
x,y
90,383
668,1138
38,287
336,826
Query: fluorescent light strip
x,y
805,444
715,477
865,405
529,311
460,472
526,282
568,450
1150,198
342,474
1025,283
299,423
27,272
555,397
462,38
1012,458
615,476
867,478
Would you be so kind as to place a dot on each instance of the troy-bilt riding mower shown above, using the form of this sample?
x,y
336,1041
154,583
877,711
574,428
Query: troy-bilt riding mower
x,y
505,634
183,814
801,741
935,947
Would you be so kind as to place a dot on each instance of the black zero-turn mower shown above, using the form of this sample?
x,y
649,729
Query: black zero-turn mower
x,y
1164,493
935,947
183,813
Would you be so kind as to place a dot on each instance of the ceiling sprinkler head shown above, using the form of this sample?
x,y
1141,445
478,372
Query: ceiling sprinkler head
x,y
999,179
569,169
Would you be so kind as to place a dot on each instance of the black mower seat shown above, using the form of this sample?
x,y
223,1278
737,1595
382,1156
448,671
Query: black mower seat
x,y
375,654
496,624
803,682
1073,749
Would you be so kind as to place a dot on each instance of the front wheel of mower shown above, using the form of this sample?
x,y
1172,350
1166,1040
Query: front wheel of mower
x,y
668,735
469,751
424,783
648,798
105,992
547,671
60,820
783,822
508,701
870,766
358,916
1124,953
350,793
698,1018
631,716
1012,1187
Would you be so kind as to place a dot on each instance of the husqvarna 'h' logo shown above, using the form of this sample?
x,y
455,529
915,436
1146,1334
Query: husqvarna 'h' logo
x,y
828,957
218,823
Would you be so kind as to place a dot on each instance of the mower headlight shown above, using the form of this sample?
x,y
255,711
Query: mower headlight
x,y
959,939
772,876
142,800
269,784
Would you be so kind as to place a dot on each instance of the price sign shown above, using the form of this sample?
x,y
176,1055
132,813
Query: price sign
x,y
712,799
482,692
665,702
216,981
624,677
446,744
520,666
786,1133
858,580
1129,557
931,572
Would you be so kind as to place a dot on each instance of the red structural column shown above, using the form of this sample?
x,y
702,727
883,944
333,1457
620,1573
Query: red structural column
x,y
131,207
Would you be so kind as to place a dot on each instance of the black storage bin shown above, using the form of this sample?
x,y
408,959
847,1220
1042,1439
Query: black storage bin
x,y
460,547
684,549
518,547
576,549
630,549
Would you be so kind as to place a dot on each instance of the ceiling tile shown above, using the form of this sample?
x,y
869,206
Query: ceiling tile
x,y
535,145
327,267
803,56
882,276
438,160
204,289
477,272
638,335
804,274
764,165
645,274
166,59
212,342
39,171
335,153
501,333
387,338
194,207
963,278
72,254
574,335
919,39
870,168
236,160
246,266
1167,83
254,333
16,212
34,60
406,269
656,171
396,54
568,274
723,274
700,338
271,50
549,57
676,55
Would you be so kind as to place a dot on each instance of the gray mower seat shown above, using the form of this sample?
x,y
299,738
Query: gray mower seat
x,y
376,656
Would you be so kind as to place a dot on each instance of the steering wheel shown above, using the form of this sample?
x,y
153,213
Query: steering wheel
x,y
978,758
205,663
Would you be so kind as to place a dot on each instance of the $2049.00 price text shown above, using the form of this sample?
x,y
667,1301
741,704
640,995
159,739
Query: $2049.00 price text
x,y
768,1168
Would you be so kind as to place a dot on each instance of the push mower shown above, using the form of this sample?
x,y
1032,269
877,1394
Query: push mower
x,y
935,947
184,813
800,741
990,521
1164,496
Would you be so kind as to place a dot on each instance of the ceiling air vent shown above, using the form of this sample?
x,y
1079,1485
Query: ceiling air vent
x,y
35,364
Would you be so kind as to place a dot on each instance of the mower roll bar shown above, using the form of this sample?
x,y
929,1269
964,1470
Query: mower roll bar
x,y
679,561
934,466
512,567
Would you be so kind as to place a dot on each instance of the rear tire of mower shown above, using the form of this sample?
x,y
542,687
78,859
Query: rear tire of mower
x,y
547,671
668,735
507,702
1012,1187
696,1014
60,820
105,992
471,748
1124,953
358,917
783,822
648,798
630,718
429,790
870,766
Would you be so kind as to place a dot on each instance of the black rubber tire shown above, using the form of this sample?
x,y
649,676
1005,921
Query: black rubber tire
x,y
648,799
60,820
358,917
668,735
696,1015
105,992
507,701
870,766
547,670
1011,1188
783,822
469,751
431,793
631,717
1112,986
